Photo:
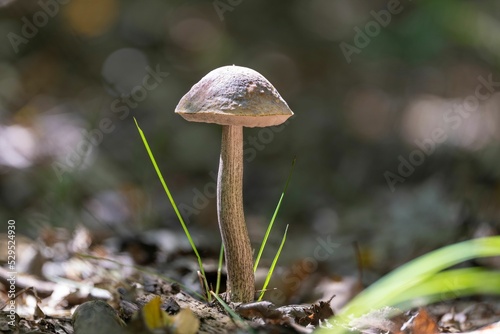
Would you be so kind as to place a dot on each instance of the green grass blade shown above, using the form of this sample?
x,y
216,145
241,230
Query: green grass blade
x,y
219,268
231,312
169,195
273,265
271,223
387,289
451,284
418,274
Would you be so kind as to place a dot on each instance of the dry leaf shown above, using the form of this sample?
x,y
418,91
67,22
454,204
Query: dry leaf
x,y
185,322
424,323
154,317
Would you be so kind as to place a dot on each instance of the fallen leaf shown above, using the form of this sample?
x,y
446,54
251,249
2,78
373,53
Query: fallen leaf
x,y
154,317
424,323
185,322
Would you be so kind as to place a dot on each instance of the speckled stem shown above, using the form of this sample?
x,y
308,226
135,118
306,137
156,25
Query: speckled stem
x,y
239,259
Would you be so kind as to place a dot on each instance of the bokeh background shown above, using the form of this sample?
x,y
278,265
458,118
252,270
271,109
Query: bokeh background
x,y
366,89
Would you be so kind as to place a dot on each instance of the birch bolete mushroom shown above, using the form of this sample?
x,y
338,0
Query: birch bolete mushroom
x,y
234,97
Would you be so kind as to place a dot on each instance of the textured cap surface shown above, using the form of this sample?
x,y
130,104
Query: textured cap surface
x,y
234,95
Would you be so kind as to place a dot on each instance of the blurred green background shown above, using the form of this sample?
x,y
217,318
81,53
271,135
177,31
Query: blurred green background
x,y
396,126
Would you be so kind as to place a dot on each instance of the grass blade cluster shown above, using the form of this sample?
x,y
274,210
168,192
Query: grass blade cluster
x,y
451,284
424,278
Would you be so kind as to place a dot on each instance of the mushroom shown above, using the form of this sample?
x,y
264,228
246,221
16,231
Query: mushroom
x,y
234,97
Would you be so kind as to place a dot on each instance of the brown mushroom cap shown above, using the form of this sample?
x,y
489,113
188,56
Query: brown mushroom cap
x,y
234,95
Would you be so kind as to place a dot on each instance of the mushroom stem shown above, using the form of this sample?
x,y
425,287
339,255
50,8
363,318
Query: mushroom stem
x,y
239,259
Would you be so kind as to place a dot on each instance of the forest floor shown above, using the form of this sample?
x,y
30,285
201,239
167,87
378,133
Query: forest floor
x,y
128,285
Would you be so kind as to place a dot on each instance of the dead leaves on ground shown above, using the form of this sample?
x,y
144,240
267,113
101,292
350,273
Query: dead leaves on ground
x,y
111,273
389,321
98,317
154,319
303,315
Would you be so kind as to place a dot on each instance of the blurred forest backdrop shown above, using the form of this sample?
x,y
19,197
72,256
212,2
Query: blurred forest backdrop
x,y
396,128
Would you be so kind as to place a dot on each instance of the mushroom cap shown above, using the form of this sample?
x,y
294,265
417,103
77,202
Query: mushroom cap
x,y
234,95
